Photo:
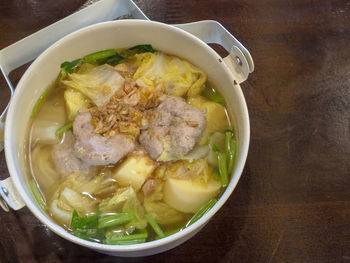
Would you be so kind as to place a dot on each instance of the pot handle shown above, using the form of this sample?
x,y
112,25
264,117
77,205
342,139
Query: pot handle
x,y
239,60
32,46
9,196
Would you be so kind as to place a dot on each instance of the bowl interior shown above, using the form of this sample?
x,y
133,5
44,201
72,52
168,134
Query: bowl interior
x,y
118,34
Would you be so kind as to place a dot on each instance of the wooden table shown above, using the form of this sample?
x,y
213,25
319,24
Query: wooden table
x,y
292,203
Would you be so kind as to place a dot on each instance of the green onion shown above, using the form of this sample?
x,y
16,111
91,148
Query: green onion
x,y
108,221
155,226
127,239
38,102
68,66
37,194
213,95
65,128
233,146
205,208
78,223
223,169
99,57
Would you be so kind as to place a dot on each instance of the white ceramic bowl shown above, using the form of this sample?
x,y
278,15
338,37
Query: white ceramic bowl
x,y
118,34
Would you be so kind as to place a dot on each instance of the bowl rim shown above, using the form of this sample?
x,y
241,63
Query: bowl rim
x,y
10,149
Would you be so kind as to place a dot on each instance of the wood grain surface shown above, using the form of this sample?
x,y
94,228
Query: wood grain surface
x,y
292,203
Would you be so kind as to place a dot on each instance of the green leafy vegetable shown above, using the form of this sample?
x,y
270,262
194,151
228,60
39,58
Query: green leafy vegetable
x,y
37,194
136,50
94,235
127,239
99,57
112,220
68,66
38,103
223,169
233,147
155,226
115,60
142,48
213,95
88,222
202,211
65,128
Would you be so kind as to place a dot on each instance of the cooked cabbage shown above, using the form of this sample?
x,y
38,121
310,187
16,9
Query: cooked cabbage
x,y
215,113
75,101
162,213
125,200
170,74
99,84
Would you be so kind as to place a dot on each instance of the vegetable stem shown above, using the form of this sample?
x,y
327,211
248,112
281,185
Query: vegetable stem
x,y
213,95
78,223
127,239
155,226
108,221
223,169
233,147
205,208
38,103
65,128
98,56
37,194
68,66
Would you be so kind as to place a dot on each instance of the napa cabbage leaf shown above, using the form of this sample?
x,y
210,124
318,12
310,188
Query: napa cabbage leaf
x,y
98,84
172,75
125,200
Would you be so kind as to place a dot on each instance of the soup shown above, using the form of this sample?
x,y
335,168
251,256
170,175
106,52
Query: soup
x,y
129,145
